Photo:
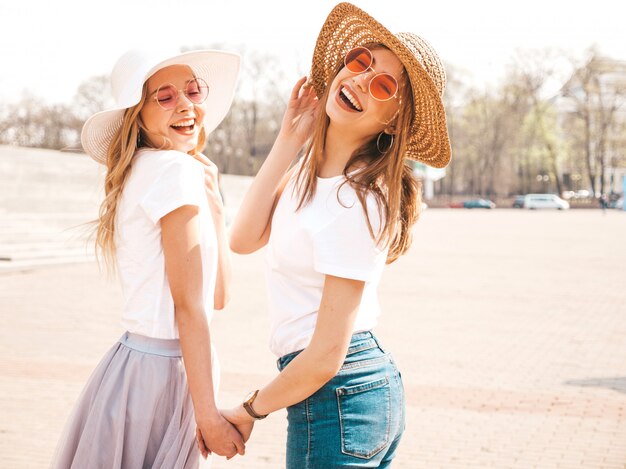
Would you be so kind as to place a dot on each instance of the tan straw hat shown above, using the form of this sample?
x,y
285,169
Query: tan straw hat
x,y
347,27
218,69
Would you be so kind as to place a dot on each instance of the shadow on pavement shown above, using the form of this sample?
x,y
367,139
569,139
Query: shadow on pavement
x,y
616,384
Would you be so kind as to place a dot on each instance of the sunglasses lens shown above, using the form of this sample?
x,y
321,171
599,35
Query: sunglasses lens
x,y
166,96
358,60
383,87
197,90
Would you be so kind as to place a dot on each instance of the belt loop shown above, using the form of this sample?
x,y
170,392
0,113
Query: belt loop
x,y
378,343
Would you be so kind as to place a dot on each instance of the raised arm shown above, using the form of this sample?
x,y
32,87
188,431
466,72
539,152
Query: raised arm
x,y
183,264
251,229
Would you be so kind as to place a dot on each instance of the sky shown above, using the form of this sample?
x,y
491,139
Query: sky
x,y
50,47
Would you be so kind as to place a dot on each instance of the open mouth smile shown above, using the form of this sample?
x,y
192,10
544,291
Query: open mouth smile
x,y
186,126
350,101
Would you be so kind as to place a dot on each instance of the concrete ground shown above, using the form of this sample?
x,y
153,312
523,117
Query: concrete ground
x,y
509,327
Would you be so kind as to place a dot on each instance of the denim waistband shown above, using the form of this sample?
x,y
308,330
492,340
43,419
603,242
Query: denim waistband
x,y
152,345
360,341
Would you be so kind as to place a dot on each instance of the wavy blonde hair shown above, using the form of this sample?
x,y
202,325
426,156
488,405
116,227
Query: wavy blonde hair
x,y
388,176
131,136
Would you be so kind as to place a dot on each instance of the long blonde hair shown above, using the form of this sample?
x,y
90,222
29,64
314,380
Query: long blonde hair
x,y
388,176
131,136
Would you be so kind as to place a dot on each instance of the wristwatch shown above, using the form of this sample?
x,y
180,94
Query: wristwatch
x,y
247,404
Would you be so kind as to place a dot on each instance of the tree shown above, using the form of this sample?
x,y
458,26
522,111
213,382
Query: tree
x,y
533,71
243,140
31,123
454,99
93,95
487,129
596,92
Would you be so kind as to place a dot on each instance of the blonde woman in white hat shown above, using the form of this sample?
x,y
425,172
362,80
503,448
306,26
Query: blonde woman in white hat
x,y
161,226
330,223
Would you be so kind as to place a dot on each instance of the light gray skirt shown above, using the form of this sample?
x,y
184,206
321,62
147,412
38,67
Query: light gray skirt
x,y
135,411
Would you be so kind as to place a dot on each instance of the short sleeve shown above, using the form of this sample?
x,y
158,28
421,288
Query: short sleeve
x,y
345,248
178,182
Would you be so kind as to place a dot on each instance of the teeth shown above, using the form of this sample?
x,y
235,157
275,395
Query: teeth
x,y
351,98
186,123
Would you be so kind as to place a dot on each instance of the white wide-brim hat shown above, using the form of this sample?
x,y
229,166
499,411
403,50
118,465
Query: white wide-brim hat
x,y
218,68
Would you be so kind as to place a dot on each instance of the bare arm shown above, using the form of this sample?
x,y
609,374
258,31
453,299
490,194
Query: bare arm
x,y
321,360
183,264
216,204
251,228
224,273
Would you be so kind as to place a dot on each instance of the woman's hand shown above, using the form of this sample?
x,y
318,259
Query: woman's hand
x,y
301,112
201,444
211,185
220,437
240,419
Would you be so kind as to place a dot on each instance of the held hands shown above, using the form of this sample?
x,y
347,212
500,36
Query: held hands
x,y
220,437
301,112
242,425
240,419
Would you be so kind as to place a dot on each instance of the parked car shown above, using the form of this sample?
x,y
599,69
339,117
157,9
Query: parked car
x,y
535,201
519,201
479,203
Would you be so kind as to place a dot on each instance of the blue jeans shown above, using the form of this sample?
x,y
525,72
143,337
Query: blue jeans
x,y
354,420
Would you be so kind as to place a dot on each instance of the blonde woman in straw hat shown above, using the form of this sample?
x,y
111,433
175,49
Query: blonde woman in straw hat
x,y
331,223
162,226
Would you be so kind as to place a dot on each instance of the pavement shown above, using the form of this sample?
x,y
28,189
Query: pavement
x,y
509,327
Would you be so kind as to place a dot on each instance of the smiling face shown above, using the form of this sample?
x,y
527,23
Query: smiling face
x,y
181,125
351,105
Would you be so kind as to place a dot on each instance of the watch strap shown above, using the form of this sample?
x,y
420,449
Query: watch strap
x,y
248,406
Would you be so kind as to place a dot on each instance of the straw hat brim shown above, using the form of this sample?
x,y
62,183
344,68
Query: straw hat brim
x,y
347,27
218,68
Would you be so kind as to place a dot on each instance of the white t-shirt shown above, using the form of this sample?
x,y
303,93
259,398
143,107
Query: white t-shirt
x,y
324,237
160,182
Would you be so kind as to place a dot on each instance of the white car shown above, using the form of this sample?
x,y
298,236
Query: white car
x,y
535,201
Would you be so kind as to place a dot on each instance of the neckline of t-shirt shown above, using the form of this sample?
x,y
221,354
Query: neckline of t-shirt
x,y
339,176
159,150
331,178
144,150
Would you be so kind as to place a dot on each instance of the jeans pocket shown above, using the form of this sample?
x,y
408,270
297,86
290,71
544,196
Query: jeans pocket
x,y
365,418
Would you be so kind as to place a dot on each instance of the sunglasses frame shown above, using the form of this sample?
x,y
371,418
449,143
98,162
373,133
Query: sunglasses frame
x,y
199,80
376,74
